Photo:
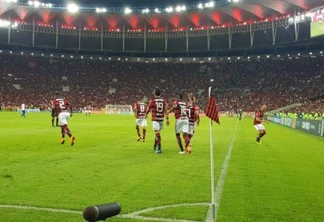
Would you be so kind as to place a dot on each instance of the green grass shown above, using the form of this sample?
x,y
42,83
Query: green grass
x,y
317,29
280,180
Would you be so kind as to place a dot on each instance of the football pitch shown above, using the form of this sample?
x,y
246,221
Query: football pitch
x,y
317,29
41,180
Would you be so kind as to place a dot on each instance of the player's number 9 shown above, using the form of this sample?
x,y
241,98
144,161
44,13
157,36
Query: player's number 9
x,y
159,107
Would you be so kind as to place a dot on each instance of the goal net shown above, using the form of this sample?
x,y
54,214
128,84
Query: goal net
x,y
119,109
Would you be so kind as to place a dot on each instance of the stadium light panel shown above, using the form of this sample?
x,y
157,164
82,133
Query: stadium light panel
x,y
42,54
100,58
22,53
200,6
30,3
32,53
73,8
166,59
180,59
321,52
37,3
62,56
156,10
153,59
209,58
146,10
71,57
169,9
209,4
311,53
51,55
194,59
127,11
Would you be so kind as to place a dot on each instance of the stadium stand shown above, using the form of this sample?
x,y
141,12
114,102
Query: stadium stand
x,y
239,84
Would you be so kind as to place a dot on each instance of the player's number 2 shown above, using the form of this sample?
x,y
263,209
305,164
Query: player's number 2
x,y
61,102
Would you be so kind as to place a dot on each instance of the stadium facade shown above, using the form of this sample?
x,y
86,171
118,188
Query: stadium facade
x,y
226,28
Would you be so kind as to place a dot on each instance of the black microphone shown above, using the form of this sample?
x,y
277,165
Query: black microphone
x,y
101,212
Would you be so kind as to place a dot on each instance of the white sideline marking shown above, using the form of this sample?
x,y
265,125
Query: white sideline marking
x,y
134,215
221,180
19,207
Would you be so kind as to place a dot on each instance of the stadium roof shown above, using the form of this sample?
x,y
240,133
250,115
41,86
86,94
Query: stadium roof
x,y
234,11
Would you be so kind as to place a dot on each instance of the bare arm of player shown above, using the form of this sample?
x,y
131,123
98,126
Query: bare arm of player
x,y
148,109
260,120
166,114
198,117
171,110
134,109
70,110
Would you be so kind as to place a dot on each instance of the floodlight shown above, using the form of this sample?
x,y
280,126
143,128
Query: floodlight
x,y
209,58
166,59
73,8
128,11
30,2
157,10
169,9
37,3
146,10
200,6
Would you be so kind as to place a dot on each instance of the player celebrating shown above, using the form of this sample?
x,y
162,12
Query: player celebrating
x,y
258,120
193,114
158,107
63,117
182,123
63,106
140,112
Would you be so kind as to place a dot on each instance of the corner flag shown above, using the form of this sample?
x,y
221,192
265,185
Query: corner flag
x,y
211,109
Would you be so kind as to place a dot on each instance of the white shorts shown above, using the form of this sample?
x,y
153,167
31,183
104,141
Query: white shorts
x,y
259,127
141,122
63,118
182,125
157,125
192,128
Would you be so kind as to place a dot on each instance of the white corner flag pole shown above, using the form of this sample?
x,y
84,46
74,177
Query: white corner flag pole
x,y
212,168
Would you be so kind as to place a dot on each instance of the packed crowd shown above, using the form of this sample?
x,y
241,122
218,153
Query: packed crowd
x,y
238,84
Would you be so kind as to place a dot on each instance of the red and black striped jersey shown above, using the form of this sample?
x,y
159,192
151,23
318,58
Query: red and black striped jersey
x,y
60,105
157,106
192,109
180,112
140,110
260,115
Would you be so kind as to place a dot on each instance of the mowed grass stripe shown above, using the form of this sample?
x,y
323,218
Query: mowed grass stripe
x,y
280,180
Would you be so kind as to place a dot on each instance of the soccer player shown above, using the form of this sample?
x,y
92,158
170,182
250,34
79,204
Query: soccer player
x,y
158,107
54,116
193,114
61,105
240,113
140,109
23,110
258,120
63,117
182,123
